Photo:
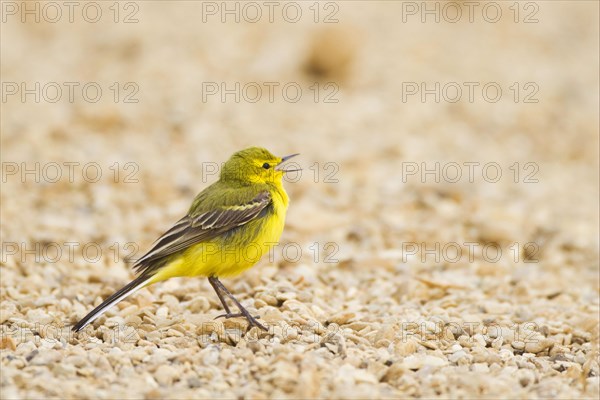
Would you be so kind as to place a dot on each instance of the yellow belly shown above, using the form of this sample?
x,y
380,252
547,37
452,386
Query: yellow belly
x,y
232,253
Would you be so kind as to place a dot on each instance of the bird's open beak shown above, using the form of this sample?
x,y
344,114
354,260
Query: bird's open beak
x,y
281,167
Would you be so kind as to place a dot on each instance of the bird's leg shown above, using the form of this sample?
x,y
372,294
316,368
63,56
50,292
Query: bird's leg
x,y
218,286
214,282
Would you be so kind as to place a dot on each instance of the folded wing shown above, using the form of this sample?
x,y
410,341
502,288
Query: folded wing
x,y
191,230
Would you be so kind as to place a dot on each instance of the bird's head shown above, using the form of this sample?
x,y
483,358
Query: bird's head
x,y
255,165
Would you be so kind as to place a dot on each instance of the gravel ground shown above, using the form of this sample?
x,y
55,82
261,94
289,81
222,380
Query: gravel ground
x,y
391,280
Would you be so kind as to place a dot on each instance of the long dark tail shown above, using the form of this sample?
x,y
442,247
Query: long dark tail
x,y
115,298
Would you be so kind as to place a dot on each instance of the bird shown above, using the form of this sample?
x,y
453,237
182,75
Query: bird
x,y
230,225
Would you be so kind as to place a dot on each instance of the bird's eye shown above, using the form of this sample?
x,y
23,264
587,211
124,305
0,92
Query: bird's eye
x,y
266,166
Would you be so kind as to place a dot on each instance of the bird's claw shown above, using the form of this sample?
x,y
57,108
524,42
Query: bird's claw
x,y
234,315
251,320
229,315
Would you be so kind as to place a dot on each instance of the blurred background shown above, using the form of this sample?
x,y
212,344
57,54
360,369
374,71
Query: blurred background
x,y
417,122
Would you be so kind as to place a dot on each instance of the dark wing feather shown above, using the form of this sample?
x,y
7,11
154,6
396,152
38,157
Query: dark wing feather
x,y
191,230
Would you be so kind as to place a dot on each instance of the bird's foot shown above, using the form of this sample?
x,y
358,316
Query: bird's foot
x,y
232,315
251,320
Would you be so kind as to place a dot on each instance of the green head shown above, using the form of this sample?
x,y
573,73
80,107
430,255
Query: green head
x,y
255,165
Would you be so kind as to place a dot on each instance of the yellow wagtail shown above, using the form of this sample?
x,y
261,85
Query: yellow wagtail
x,y
230,225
